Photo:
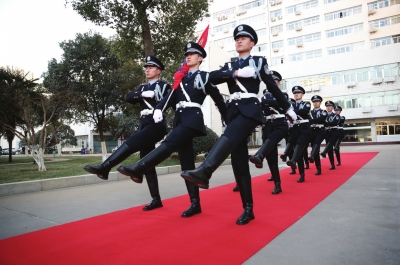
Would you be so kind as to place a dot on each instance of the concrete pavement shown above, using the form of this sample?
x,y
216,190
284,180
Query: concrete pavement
x,y
359,223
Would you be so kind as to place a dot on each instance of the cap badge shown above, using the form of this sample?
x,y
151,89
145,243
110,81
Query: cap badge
x,y
240,28
148,58
189,45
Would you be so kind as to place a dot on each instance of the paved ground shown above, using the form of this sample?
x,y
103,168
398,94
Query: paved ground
x,y
357,224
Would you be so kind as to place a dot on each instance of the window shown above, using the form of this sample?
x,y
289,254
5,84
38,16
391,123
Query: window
x,y
302,6
224,27
330,1
254,19
277,60
295,57
304,22
251,5
343,13
344,30
227,13
259,48
277,44
378,4
261,32
276,13
382,41
345,48
313,54
277,29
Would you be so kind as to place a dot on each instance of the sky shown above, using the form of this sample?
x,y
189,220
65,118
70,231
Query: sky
x,y
31,31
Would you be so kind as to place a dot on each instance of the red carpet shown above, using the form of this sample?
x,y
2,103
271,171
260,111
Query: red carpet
x,y
133,236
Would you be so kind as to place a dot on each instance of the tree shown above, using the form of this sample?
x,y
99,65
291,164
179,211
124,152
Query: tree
x,y
147,27
91,72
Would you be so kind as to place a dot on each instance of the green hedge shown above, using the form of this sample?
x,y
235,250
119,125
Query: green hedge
x,y
204,144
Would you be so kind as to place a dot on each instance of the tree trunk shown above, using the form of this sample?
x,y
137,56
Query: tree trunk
x,y
38,156
59,149
146,34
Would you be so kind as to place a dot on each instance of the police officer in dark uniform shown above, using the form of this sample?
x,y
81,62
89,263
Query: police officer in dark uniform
x,y
244,114
300,134
274,130
290,152
336,148
149,132
317,121
331,132
188,123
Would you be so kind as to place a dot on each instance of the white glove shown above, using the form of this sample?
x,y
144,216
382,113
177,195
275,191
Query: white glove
x,y
260,99
246,72
148,94
157,116
290,125
292,114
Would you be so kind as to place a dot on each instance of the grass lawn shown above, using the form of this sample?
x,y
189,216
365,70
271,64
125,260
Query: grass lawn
x,y
23,169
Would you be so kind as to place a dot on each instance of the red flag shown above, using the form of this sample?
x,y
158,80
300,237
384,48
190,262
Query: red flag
x,y
183,70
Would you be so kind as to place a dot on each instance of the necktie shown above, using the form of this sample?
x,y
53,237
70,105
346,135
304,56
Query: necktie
x,y
241,61
148,85
189,74
297,104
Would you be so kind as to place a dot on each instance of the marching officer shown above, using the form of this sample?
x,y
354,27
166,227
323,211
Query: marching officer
x,y
300,134
188,123
149,133
317,120
331,132
244,114
338,111
290,153
275,129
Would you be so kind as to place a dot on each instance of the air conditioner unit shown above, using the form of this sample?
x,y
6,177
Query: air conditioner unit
x,y
297,13
299,45
212,34
372,30
351,84
298,28
391,79
238,13
226,31
377,81
274,34
275,50
371,12
244,12
307,89
219,18
278,1
280,17
392,107
221,46
315,88
272,3
224,17
273,19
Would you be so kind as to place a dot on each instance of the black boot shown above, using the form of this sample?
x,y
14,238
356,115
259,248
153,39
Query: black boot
x,y
236,188
318,171
332,167
264,150
288,149
301,179
276,177
152,159
305,157
314,153
293,171
326,150
247,215
337,152
201,175
102,170
270,178
298,152
331,159
152,182
194,195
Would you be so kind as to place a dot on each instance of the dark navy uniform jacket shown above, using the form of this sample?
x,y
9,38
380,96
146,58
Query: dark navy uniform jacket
x,y
318,116
341,124
268,101
332,120
192,117
302,109
160,89
246,106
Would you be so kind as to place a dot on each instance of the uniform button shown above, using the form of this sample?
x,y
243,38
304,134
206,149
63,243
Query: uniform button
x,y
186,84
197,113
180,111
236,104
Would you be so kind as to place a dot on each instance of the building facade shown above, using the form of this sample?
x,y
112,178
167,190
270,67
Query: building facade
x,y
344,51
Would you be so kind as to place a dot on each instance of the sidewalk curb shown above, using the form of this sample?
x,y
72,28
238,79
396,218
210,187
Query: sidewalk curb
x,y
66,182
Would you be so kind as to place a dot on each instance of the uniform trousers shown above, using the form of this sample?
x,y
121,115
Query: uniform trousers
x,y
275,130
317,136
331,136
300,135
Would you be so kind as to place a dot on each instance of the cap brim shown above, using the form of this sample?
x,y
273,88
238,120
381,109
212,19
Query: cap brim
x,y
194,51
151,63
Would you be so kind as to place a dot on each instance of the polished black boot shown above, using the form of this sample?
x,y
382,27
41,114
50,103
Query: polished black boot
x,y
277,188
332,167
270,178
337,152
332,160
305,157
264,150
195,207
301,179
201,175
326,150
298,152
152,159
318,172
247,215
236,188
314,153
276,176
155,203
152,182
288,149
102,170
293,171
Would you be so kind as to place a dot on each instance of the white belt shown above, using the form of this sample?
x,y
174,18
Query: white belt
x,y
317,125
185,104
274,116
240,95
328,128
300,121
146,112
340,128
